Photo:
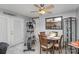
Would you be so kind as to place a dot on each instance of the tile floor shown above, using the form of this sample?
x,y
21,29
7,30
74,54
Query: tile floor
x,y
19,50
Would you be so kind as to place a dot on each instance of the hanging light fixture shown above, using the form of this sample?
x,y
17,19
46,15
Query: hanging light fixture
x,y
42,8
42,12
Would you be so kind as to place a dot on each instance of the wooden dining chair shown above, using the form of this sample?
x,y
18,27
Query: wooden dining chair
x,y
42,33
44,44
58,44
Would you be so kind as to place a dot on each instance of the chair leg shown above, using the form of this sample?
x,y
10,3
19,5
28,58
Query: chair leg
x,y
47,51
51,51
40,50
60,50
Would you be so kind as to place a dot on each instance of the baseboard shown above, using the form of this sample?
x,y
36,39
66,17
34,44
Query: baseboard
x,y
15,44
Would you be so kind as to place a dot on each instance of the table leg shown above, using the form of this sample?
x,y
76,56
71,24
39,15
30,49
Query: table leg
x,y
65,48
78,51
71,49
53,47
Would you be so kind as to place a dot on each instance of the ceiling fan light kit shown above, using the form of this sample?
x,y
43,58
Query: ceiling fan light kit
x,y
42,12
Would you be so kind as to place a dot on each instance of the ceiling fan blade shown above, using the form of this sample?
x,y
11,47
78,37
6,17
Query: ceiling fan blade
x,y
49,12
34,11
36,5
50,6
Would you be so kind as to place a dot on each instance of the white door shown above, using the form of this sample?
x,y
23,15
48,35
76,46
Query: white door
x,y
15,32
3,29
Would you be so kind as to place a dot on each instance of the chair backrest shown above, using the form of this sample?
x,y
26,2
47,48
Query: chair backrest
x,y
42,33
54,34
60,39
43,40
3,44
3,47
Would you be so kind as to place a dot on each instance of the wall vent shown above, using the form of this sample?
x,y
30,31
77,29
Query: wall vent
x,y
8,13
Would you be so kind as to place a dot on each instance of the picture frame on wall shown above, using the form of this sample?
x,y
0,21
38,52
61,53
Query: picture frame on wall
x,y
54,23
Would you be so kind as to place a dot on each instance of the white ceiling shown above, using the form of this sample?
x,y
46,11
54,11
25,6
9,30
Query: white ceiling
x,y
25,9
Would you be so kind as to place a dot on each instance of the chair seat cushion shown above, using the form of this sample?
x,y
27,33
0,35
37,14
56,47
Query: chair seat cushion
x,y
56,45
49,46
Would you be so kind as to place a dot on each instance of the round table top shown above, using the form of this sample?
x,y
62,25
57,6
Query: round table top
x,y
53,38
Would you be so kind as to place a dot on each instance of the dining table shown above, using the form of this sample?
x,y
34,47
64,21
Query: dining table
x,y
74,44
53,40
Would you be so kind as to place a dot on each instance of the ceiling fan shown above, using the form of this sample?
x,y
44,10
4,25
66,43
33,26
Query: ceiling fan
x,y
43,8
